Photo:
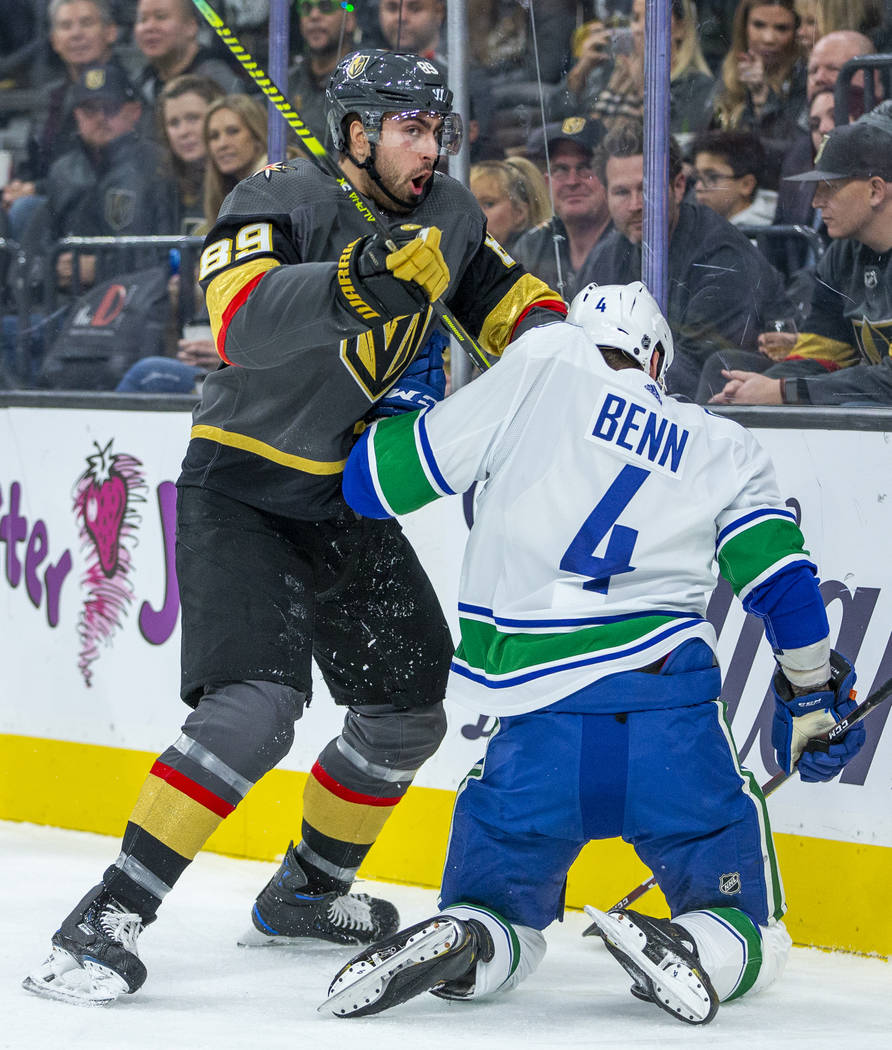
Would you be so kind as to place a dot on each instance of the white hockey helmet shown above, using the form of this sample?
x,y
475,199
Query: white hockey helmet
x,y
627,317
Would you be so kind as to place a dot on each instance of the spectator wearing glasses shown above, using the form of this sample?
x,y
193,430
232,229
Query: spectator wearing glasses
x,y
843,351
328,31
580,218
720,287
728,167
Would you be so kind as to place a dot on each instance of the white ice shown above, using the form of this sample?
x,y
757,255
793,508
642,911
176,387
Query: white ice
x,y
204,993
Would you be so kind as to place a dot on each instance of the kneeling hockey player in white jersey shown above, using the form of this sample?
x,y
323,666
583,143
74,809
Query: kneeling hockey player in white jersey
x,y
604,508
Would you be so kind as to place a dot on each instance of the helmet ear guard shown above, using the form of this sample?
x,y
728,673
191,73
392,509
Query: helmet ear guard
x,y
627,318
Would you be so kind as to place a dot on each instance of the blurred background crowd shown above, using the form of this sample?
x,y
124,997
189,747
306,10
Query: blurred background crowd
x,y
129,119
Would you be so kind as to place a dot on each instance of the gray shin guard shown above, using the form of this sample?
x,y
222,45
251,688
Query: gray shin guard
x,y
238,732
381,748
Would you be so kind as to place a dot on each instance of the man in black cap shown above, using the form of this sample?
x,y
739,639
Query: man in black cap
x,y
843,353
579,204
109,183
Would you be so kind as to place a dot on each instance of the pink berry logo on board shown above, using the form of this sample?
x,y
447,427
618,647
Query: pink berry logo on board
x,y
105,499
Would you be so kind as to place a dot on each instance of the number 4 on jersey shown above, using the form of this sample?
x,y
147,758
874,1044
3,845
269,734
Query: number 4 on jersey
x,y
579,557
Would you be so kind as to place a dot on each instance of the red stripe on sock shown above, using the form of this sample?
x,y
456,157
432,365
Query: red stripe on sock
x,y
195,791
335,788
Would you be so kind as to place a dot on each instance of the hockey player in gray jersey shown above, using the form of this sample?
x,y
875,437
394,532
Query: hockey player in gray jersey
x,y
315,317
604,509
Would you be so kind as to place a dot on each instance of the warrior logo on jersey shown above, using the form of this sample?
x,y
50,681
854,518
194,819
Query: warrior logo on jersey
x,y
357,65
376,357
729,884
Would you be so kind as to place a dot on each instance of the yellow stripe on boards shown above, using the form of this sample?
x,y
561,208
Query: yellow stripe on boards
x,y
93,788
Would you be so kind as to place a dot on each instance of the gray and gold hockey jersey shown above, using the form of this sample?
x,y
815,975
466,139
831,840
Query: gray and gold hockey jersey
x,y
275,425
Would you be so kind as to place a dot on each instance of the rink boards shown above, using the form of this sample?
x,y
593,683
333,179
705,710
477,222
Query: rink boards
x,y
89,648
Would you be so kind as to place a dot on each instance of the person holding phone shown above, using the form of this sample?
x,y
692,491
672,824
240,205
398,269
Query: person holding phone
x,y
607,78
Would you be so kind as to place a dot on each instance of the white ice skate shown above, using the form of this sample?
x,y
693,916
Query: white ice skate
x,y
662,961
400,967
94,957
63,978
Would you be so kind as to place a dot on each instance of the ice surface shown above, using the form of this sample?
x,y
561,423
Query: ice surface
x,y
204,993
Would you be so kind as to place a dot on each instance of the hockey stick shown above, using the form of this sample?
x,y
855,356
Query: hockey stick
x,y
876,698
325,162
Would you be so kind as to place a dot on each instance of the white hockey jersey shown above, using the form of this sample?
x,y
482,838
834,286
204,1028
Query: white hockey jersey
x,y
604,512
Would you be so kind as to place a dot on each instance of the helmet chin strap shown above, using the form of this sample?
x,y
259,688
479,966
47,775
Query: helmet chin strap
x,y
369,165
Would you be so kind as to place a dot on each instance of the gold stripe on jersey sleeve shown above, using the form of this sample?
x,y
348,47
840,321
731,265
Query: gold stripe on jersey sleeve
x,y
260,448
499,324
223,290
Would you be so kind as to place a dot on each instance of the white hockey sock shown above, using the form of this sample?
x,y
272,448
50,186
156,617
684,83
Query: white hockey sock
x,y
738,955
518,950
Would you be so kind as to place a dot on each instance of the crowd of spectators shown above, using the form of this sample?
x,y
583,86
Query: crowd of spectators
x,y
128,118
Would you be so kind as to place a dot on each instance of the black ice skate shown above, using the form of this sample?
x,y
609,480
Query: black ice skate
x,y
284,913
420,958
93,958
661,958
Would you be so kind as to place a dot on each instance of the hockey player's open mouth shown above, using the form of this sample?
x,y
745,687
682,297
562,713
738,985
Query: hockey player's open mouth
x,y
419,182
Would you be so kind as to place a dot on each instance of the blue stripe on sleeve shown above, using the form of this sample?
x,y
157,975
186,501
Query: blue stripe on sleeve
x,y
429,459
754,515
357,484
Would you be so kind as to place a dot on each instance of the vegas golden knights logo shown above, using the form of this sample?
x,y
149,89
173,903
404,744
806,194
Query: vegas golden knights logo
x,y
376,357
357,65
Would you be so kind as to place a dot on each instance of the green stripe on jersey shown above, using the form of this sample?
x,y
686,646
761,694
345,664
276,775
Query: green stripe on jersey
x,y
401,476
753,551
753,942
485,647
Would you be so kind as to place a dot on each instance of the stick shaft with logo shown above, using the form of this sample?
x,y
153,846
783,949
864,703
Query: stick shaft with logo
x,y
323,159
876,698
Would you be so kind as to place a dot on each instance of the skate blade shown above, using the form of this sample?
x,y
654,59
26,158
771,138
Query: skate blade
x,y
362,983
253,938
676,987
62,978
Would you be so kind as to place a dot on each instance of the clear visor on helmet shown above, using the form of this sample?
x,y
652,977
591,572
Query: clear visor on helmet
x,y
418,130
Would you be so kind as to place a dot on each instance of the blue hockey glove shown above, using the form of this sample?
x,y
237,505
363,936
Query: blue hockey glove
x,y
798,719
422,385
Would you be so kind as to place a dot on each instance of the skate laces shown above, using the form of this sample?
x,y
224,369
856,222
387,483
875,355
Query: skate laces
x,y
121,925
351,911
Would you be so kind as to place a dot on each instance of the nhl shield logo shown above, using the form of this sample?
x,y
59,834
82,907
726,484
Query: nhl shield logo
x,y
729,884
871,279
357,66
